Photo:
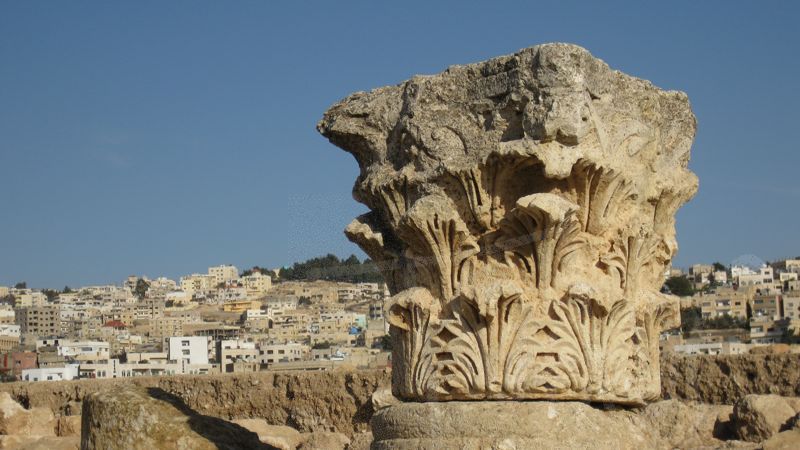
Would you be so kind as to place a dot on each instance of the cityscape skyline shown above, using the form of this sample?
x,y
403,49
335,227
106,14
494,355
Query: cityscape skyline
x,y
161,139
747,260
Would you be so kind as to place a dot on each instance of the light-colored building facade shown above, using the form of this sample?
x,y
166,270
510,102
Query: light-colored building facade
x,y
712,348
724,301
256,284
188,349
283,352
223,274
68,372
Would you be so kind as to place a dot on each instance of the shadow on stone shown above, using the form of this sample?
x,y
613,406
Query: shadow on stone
x,y
135,418
216,430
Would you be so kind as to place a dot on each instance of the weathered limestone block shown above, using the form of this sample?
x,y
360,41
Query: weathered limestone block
x,y
280,437
131,418
759,417
522,214
13,417
327,440
31,442
16,420
506,425
69,426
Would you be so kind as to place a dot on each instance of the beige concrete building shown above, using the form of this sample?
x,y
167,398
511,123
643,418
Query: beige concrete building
x,y
223,274
724,301
197,284
26,298
256,284
230,352
6,315
767,330
766,305
699,273
284,352
40,321
8,343
240,305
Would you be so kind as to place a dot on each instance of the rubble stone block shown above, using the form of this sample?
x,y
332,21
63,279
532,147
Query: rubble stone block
x,y
133,418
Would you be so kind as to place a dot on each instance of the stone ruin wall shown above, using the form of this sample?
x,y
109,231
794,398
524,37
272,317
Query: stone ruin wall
x,y
340,400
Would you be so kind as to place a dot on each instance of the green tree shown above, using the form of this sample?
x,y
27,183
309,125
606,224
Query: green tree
x,y
691,319
386,342
680,286
712,282
67,290
140,290
330,267
21,285
790,336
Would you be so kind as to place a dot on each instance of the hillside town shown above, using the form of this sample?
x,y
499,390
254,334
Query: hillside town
x,y
734,309
220,321
225,321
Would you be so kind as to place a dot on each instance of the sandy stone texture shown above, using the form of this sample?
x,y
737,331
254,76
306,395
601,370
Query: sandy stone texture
x,y
522,213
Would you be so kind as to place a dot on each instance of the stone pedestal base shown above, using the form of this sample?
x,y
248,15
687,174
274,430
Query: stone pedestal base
x,y
504,425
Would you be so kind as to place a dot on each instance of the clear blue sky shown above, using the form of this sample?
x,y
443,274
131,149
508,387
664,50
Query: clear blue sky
x,y
159,138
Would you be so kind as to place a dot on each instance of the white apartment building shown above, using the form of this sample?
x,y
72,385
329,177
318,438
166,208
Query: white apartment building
x,y
223,273
68,372
4,290
231,294
231,351
252,314
281,304
7,315
87,350
189,349
764,276
712,348
7,329
141,364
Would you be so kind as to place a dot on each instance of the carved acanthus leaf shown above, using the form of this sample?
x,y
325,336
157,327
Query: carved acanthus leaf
x,y
600,192
592,342
439,244
629,256
544,233
660,312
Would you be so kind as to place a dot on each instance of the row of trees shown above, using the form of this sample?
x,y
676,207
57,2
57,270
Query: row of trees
x,y
331,268
692,319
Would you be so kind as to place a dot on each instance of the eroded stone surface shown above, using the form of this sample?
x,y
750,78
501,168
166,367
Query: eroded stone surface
x,y
279,436
131,418
522,213
758,417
